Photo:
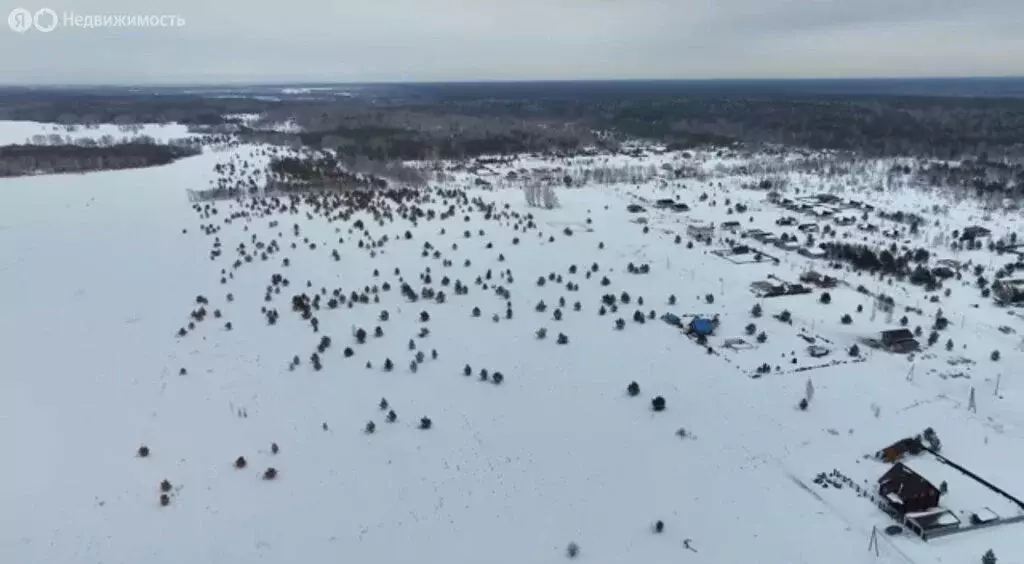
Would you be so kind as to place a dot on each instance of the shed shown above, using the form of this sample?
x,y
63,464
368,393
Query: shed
x,y
672,319
702,326
902,447
899,340
907,491
934,523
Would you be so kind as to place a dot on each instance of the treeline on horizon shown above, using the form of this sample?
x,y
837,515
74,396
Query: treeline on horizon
x,y
418,122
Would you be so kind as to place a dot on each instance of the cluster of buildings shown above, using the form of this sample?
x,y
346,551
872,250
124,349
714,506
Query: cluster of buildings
x,y
916,502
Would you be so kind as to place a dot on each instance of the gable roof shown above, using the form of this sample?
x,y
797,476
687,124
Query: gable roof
x,y
897,335
904,475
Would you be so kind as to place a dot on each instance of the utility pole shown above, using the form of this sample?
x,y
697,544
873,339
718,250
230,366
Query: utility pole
x,y
873,542
971,405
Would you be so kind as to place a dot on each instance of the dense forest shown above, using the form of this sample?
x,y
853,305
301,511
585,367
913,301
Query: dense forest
x,y
23,160
386,123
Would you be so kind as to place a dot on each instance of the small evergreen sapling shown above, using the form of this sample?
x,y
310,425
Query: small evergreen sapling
x,y
658,403
633,389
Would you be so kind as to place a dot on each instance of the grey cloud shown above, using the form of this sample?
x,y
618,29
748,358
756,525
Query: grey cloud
x,y
811,15
371,40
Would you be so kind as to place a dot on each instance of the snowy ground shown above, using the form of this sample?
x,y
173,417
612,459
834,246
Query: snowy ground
x,y
27,132
100,276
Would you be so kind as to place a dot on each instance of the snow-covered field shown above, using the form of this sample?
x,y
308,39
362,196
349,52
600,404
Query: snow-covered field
x,y
29,132
100,271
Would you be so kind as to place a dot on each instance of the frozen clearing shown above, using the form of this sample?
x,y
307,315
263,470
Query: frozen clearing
x,y
99,277
23,132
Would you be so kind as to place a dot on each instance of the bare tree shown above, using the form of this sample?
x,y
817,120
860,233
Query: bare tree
x,y
540,195
532,192
549,199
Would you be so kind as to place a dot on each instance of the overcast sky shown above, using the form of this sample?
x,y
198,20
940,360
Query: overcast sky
x,y
437,40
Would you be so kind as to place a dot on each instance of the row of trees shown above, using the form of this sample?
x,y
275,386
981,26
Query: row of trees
x,y
105,140
909,264
23,160
318,170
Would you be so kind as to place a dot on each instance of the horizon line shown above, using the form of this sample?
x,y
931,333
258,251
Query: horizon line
x,y
276,83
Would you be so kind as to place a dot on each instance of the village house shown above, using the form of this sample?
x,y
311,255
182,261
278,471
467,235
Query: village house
x,y
974,232
906,491
818,279
702,231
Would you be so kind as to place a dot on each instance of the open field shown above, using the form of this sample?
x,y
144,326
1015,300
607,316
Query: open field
x,y
105,272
